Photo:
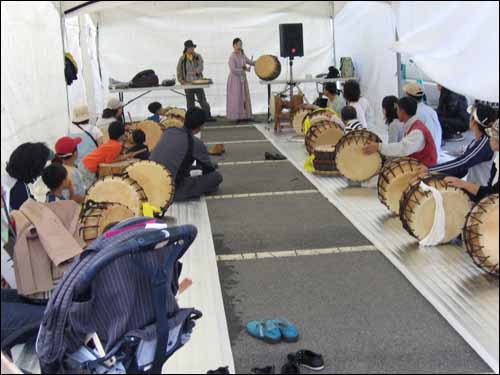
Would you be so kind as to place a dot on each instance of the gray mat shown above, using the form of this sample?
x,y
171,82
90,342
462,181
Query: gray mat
x,y
355,309
304,221
245,152
261,178
231,134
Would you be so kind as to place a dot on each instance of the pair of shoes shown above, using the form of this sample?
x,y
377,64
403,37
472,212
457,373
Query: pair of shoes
x,y
263,370
269,156
211,119
308,359
220,370
217,149
273,331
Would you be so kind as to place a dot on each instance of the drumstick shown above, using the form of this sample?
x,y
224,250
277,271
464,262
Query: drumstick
x,y
130,117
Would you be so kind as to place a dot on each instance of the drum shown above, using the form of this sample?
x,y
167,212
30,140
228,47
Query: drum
x,y
417,210
179,112
324,158
394,179
114,189
152,129
97,217
267,67
318,115
350,159
203,81
156,181
164,111
114,169
323,133
298,119
172,121
480,234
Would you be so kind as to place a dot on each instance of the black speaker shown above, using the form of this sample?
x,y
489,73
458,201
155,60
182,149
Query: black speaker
x,y
291,41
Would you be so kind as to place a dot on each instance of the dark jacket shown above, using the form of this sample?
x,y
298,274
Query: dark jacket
x,y
452,110
484,191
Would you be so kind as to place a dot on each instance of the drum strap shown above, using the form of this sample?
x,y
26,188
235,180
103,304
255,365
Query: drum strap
x,y
188,160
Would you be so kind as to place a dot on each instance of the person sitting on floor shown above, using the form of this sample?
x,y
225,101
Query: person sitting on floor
x,y
178,149
108,152
426,113
55,177
139,137
476,162
25,165
113,112
477,191
396,127
452,113
67,155
350,119
353,98
417,142
155,109
335,101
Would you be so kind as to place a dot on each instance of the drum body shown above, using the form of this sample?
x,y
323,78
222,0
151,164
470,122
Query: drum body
x,y
172,121
114,169
203,81
418,208
298,119
394,180
152,129
480,234
318,115
97,217
323,133
324,158
156,181
179,112
122,190
351,160
267,67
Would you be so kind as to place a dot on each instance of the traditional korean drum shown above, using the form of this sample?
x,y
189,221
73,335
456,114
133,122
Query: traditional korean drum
x,y
179,112
324,158
156,181
323,133
172,121
418,208
203,81
118,189
350,159
480,234
267,67
394,179
318,115
97,217
298,119
152,129
114,169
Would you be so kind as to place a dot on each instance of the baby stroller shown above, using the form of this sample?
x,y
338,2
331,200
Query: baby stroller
x,y
115,310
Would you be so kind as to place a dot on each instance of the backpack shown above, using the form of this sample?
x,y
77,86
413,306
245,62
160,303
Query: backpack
x,y
122,288
146,78
346,67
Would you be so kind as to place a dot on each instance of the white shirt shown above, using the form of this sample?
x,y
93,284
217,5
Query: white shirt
x,y
396,131
103,123
364,112
429,117
410,144
92,129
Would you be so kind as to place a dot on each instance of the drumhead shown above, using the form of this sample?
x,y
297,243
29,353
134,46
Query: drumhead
x,y
481,236
418,208
351,162
267,67
114,189
323,133
153,132
99,216
156,180
394,179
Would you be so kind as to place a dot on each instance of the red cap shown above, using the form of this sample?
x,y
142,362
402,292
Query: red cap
x,y
67,145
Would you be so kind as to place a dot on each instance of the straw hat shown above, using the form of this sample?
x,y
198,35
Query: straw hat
x,y
414,89
81,113
114,103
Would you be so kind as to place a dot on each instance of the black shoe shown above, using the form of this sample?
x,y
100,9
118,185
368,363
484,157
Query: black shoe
x,y
211,119
270,156
264,370
308,359
220,370
291,367
455,138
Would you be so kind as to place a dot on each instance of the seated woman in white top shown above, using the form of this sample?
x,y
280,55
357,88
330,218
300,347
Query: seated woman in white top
x,y
111,113
353,98
396,127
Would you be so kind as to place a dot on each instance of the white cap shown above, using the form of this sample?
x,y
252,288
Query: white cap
x,y
114,103
81,113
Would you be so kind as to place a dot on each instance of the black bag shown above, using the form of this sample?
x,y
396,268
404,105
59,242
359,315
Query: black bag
x,y
168,82
146,78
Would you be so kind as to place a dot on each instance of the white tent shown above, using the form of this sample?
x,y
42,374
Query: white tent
x,y
454,43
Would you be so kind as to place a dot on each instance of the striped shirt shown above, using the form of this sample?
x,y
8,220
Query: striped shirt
x,y
353,125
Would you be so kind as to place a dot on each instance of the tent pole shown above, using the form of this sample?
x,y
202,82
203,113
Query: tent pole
x,y
398,67
332,22
62,25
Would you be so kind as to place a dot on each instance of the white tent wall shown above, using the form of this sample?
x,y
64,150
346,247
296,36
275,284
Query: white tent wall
x,y
455,43
34,105
151,35
365,30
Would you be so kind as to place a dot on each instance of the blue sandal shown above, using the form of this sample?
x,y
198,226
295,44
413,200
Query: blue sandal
x,y
265,330
288,330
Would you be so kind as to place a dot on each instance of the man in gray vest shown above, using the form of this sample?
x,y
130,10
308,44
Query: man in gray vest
x,y
178,149
189,68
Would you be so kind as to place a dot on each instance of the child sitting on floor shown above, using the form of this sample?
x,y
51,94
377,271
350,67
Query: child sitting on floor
x,y
139,137
155,109
55,177
350,119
